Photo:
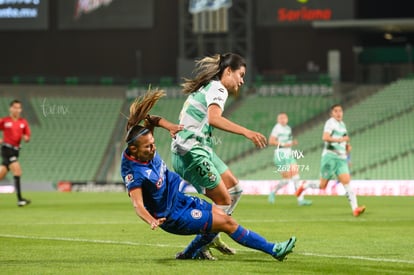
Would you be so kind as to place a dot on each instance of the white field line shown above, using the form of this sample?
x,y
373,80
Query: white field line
x,y
357,258
351,219
362,258
82,240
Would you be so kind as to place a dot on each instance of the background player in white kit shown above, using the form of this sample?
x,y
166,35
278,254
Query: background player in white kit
x,y
334,158
281,137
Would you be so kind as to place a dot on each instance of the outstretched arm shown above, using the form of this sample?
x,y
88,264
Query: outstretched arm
x,y
216,119
142,212
164,123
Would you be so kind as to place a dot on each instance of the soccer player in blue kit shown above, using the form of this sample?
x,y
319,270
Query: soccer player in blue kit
x,y
155,195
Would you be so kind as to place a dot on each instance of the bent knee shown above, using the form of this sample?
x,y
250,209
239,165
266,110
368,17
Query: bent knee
x,y
231,224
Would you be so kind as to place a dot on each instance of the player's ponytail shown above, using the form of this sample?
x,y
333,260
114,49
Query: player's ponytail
x,y
138,113
209,68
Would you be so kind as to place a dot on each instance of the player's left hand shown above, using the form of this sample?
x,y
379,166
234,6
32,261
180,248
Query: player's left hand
x,y
175,129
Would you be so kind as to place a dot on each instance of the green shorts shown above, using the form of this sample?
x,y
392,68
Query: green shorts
x,y
200,168
281,159
332,165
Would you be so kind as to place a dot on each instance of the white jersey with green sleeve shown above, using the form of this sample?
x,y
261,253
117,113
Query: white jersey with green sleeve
x,y
336,129
284,136
197,132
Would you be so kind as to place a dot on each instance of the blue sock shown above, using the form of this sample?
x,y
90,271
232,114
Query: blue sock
x,y
251,239
199,241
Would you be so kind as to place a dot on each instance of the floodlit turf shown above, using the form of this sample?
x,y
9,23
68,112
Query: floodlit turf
x,y
99,233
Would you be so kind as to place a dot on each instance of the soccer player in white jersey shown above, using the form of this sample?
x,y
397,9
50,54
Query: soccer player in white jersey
x,y
193,156
284,159
334,158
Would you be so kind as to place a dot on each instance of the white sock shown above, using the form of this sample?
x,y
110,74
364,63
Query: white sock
x,y
351,196
280,184
312,184
225,208
296,184
235,195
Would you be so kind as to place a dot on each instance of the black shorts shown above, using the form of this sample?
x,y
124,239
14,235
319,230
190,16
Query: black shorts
x,y
9,155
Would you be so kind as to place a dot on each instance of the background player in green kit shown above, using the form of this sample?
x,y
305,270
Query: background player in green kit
x,y
334,157
193,156
281,137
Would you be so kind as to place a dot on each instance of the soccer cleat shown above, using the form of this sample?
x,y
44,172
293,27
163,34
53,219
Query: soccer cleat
x,y
271,198
358,211
204,254
305,202
281,250
221,246
300,189
182,256
23,202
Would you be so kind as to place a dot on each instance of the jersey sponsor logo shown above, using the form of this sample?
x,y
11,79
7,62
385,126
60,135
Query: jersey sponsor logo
x,y
196,214
221,90
8,124
129,178
217,98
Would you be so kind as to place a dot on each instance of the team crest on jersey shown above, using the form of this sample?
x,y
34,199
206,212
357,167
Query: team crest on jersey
x,y
196,214
129,178
148,171
211,177
159,183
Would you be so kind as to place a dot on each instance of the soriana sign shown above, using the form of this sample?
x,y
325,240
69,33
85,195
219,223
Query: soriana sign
x,y
302,12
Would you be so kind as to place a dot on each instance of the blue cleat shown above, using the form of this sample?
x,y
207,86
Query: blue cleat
x,y
202,254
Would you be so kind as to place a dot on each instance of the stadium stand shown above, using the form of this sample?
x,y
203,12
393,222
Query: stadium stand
x,y
70,139
259,113
381,139
71,134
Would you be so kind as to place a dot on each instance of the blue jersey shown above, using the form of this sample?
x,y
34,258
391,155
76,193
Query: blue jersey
x,y
160,187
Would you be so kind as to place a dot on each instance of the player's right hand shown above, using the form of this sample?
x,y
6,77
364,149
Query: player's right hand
x,y
257,138
157,223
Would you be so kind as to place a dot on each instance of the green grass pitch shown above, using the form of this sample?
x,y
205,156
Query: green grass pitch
x,y
99,233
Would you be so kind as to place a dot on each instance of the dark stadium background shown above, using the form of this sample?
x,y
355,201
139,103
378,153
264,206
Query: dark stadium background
x,y
112,52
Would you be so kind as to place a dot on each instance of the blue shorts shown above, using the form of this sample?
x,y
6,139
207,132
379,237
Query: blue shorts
x,y
191,215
